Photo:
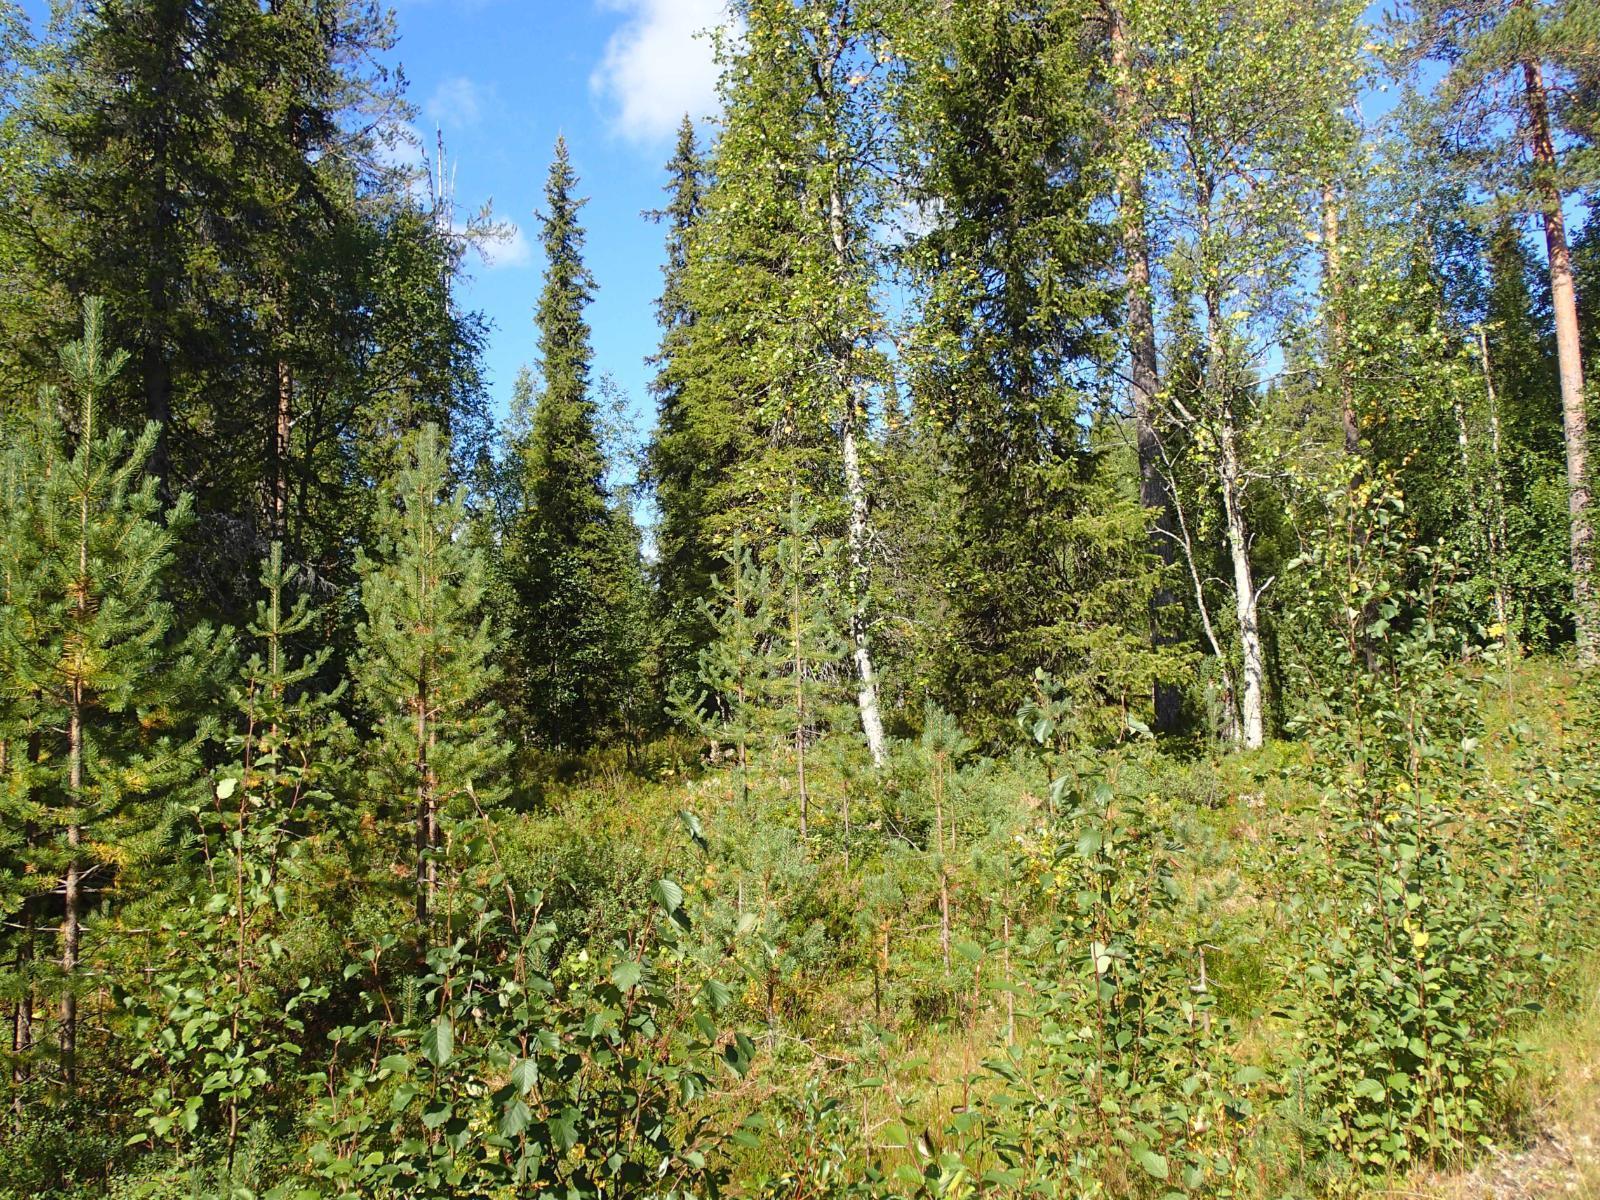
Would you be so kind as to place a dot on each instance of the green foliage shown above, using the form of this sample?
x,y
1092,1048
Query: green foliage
x,y
1040,550
426,668
103,694
680,467
571,561
1424,901
219,1012
494,1068
266,933
735,669
1129,1077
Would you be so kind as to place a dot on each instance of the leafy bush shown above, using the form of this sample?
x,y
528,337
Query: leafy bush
x,y
1127,1083
487,1071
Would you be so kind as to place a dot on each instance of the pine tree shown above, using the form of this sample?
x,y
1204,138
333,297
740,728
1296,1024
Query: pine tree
x,y
809,655
572,561
425,669
1519,346
96,673
733,676
1502,100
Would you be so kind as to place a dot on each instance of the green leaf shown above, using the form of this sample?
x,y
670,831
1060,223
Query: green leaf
x,y
524,1075
691,822
627,973
1154,1164
718,994
438,1042
1368,1088
667,894
514,1118
225,788
564,1128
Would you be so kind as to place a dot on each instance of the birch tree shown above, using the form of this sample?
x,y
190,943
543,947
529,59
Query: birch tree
x,y
783,273
1239,144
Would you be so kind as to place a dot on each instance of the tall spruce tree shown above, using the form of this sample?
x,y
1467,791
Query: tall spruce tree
x,y
684,462
425,668
1010,340
98,682
214,171
572,560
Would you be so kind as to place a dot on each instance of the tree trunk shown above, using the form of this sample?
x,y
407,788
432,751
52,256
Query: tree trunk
x,y
1338,321
283,421
1230,478
71,900
1574,418
799,680
425,818
1496,524
1144,379
1246,600
867,691
856,494
1230,700
154,367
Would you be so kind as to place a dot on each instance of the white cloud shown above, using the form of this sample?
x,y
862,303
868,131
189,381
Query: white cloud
x,y
456,103
659,65
513,250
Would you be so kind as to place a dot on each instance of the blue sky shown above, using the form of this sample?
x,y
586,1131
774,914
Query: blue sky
x,y
503,78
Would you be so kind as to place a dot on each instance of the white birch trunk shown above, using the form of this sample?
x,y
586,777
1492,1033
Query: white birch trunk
x,y
856,494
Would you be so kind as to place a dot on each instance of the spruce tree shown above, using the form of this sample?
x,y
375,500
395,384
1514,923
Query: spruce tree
x,y
215,172
683,462
1008,346
425,668
572,559
98,682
